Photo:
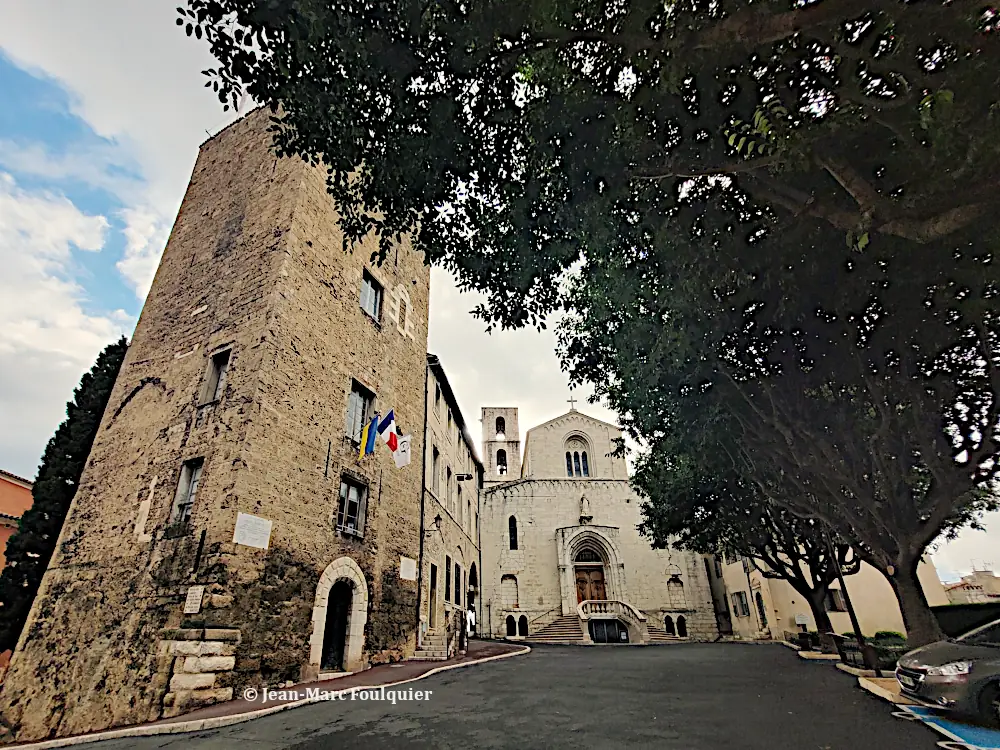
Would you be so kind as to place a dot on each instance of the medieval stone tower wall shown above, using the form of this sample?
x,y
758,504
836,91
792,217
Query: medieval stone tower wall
x,y
254,266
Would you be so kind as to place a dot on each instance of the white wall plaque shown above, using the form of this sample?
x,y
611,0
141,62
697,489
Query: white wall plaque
x,y
801,620
192,605
252,531
407,568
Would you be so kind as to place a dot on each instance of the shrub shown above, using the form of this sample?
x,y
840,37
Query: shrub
x,y
889,635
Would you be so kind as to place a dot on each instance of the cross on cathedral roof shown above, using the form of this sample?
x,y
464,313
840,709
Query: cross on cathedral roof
x,y
571,401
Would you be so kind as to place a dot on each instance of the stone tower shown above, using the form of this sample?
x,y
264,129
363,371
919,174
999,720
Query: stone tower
x,y
225,532
501,444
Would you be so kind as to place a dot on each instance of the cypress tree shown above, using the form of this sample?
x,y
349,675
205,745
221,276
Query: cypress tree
x,y
30,548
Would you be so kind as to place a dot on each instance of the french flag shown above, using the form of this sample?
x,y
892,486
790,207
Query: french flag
x,y
387,429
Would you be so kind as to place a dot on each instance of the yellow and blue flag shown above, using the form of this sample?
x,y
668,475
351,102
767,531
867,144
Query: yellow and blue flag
x,y
368,435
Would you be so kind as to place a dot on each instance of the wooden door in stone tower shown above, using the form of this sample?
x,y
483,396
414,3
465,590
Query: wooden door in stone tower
x,y
338,610
589,584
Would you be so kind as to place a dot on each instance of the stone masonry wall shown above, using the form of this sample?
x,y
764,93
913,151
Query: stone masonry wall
x,y
254,263
457,537
543,506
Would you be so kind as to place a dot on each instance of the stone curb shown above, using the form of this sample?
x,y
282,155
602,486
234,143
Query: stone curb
x,y
817,656
790,645
197,725
857,672
877,690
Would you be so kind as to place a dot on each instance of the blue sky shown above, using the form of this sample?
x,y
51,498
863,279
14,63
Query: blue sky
x,y
102,110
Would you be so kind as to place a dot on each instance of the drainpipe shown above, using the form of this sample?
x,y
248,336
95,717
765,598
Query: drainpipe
x,y
479,541
751,604
423,492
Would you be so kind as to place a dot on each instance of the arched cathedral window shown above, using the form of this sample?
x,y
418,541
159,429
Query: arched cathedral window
x,y
501,461
577,461
501,429
512,531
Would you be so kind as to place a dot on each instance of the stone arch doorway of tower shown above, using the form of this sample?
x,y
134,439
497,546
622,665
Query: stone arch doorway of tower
x,y
340,613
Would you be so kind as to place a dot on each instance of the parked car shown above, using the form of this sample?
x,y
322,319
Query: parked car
x,y
960,674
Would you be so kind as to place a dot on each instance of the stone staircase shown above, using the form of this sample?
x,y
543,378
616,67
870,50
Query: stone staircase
x,y
659,635
561,630
433,648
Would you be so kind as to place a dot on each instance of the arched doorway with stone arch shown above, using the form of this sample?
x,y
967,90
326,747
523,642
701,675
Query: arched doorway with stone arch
x,y
590,552
340,613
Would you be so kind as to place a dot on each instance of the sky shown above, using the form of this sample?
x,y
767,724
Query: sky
x,y
102,110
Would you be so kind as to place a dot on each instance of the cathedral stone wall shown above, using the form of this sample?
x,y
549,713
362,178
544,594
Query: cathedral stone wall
x,y
255,264
543,506
546,445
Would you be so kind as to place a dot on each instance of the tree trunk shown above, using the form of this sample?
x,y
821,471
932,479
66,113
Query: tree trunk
x,y
817,600
921,624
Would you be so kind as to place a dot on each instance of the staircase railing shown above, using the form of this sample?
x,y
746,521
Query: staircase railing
x,y
605,608
611,608
544,614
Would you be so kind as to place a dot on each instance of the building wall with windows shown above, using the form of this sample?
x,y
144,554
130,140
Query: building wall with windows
x,y
539,528
975,588
254,270
453,475
782,609
15,498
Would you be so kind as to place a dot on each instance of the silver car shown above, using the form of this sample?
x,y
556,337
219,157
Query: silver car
x,y
960,674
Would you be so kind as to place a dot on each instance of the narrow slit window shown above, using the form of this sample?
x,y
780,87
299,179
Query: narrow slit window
x,y
215,383
371,295
351,508
187,491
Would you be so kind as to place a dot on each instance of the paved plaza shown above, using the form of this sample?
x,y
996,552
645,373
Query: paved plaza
x,y
688,697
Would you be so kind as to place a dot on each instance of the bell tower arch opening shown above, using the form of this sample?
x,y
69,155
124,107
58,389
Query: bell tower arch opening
x,y
501,444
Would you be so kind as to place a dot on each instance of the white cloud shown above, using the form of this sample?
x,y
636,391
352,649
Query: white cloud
x,y
145,236
47,339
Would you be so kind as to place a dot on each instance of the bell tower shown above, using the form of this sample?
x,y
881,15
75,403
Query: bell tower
x,y
501,444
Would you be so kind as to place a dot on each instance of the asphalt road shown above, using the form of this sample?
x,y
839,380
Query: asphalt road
x,y
683,697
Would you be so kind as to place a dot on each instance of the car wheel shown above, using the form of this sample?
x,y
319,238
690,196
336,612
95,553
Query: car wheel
x,y
989,706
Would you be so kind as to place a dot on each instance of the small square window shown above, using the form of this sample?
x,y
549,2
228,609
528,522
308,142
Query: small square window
x,y
360,409
371,296
187,491
352,507
215,381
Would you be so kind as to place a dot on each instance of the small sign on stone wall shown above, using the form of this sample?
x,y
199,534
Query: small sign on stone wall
x,y
407,568
801,620
252,531
192,605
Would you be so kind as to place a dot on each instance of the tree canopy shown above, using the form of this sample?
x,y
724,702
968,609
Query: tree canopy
x,y
703,505
770,221
501,133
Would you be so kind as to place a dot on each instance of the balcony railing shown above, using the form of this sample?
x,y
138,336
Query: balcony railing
x,y
608,608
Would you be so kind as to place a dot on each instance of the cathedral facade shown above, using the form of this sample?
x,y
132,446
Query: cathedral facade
x,y
563,560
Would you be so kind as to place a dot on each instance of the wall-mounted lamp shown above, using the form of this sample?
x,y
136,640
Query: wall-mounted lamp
x,y
463,477
436,526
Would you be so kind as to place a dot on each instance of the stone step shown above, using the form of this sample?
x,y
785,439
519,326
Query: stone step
x,y
563,629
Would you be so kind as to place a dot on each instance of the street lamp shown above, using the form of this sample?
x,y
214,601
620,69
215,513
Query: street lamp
x,y
463,477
